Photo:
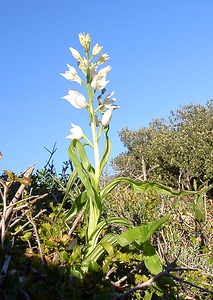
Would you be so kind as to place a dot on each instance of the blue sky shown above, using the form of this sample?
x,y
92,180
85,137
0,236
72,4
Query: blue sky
x,y
161,53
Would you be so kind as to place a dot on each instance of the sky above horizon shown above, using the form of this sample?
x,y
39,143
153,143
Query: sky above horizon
x,y
160,53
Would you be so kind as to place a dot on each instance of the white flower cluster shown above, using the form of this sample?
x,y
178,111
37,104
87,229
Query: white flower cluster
x,y
96,81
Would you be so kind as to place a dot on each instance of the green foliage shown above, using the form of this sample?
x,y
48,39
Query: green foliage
x,y
175,152
180,237
56,268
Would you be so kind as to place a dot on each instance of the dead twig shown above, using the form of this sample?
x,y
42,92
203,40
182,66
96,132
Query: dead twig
x,y
75,223
190,283
141,286
22,227
8,210
31,220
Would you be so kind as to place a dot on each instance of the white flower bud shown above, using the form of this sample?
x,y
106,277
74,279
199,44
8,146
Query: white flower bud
x,y
75,53
84,40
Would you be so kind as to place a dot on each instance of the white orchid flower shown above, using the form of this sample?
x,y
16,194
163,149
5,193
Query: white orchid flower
x,y
102,59
84,40
99,83
96,49
104,71
76,99
76,132
71,74
109,104
83,64
99,80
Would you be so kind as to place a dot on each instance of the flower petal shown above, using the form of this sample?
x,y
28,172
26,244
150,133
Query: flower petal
x,y
107,117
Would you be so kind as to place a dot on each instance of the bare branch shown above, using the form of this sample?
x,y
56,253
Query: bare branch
x,y
189,283
77,220
141,286
8,210
22,227
165,273
31,220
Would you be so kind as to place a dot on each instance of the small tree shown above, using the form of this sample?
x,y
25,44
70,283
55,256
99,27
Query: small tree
x,y
176,151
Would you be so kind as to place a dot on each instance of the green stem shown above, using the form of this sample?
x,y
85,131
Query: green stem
x,y
88,141
94,135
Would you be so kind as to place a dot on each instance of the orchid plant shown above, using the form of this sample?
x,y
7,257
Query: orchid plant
x,y
94,82
100,108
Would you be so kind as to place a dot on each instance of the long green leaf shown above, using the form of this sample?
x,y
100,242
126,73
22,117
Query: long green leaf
x,y
93,217
83,169
77,205
78,166
83,156
143,186
85,161
99,249
101,225
141,233
70,183
86,174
